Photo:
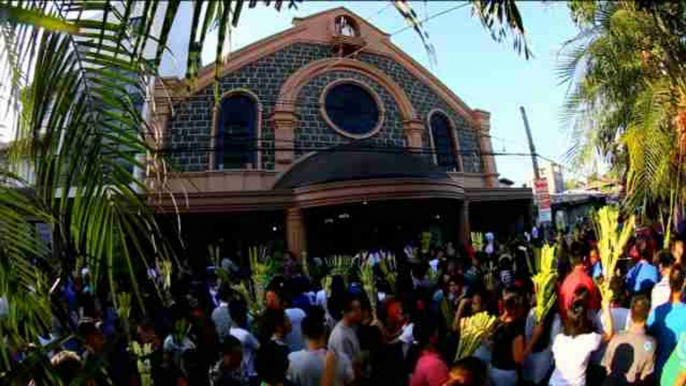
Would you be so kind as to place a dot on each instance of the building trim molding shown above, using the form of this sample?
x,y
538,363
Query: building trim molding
x,y
327,194
499,194
291,88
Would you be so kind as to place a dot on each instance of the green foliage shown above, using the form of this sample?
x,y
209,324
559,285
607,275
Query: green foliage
x,y
474,330
545,282
611,242
341,265
627,78
502,18
17,14
583,12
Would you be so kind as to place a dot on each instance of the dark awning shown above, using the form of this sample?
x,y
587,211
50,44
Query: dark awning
x,y
357,161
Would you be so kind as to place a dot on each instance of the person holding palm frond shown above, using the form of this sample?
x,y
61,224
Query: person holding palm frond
x,y
575,279
451,301
509,346
573,347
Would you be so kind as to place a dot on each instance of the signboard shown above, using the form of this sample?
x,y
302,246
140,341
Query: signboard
x,y
543,199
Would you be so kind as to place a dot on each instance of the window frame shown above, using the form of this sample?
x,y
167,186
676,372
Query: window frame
x,y
216,119
375,96
455,143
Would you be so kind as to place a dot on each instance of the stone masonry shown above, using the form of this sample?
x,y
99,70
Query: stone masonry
x,y
188,136
313,132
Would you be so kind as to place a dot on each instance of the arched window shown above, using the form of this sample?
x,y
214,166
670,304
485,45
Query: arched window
x,y
237,133
444,145
346,26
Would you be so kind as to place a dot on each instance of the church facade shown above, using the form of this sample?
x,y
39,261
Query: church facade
x,y
329,131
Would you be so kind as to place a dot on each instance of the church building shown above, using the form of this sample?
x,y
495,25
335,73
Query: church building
x,y
329,138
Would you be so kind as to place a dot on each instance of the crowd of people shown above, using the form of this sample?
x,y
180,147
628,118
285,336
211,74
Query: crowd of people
x,y
322,329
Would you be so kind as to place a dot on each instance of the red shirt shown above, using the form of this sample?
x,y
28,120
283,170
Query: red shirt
x,y
576,279
430,370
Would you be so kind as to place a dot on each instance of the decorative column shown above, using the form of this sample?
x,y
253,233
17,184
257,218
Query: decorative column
x,y
465,228
285,123
413,131
483,118
295,231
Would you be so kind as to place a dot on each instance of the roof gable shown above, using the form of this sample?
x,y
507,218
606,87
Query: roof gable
x,y
320,28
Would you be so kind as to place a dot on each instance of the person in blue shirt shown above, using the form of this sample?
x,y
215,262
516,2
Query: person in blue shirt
x,y
596,269
668,321
643,276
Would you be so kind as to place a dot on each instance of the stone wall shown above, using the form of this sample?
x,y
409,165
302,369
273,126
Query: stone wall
x,y
424,100
189,133
313,132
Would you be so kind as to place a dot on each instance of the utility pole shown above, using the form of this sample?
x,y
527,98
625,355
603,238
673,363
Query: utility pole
x,y
532,148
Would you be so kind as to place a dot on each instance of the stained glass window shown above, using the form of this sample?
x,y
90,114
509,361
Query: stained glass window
x,y
443,141
237,133
352,109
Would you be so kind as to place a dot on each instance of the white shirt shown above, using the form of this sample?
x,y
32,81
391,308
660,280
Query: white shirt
x,y
537,364
660,294
177,348
343,341
306,368
250,347
407,337
311,297
321,299
621,317
227,265
222,320
571,358
434,265
294,339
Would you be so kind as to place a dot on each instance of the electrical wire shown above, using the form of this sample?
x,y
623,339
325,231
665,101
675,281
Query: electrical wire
x,y
334,149
507,141
462,5
379,12
316,105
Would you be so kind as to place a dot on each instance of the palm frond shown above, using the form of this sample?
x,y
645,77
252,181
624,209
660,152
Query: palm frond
x,y
621,100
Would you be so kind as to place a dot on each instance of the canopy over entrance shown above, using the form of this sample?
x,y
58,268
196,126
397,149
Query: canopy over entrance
x,y
356,161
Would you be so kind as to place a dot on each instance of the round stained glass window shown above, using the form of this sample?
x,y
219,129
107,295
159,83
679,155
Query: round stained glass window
x,y
352,109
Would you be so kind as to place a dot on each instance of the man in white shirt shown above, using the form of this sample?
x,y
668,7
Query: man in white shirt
x,y
661,292
306,367
343,340
294,339
249,344
221,316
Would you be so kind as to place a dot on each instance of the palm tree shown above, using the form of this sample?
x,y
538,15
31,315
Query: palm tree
x,y
78,73
626,76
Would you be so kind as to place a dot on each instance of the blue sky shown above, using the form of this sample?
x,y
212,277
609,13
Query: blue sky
x,y
485,74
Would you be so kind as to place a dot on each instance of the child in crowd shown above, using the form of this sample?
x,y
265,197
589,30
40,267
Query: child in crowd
x,y
227,371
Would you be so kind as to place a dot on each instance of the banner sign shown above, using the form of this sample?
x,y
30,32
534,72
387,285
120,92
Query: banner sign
x,y
543,199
